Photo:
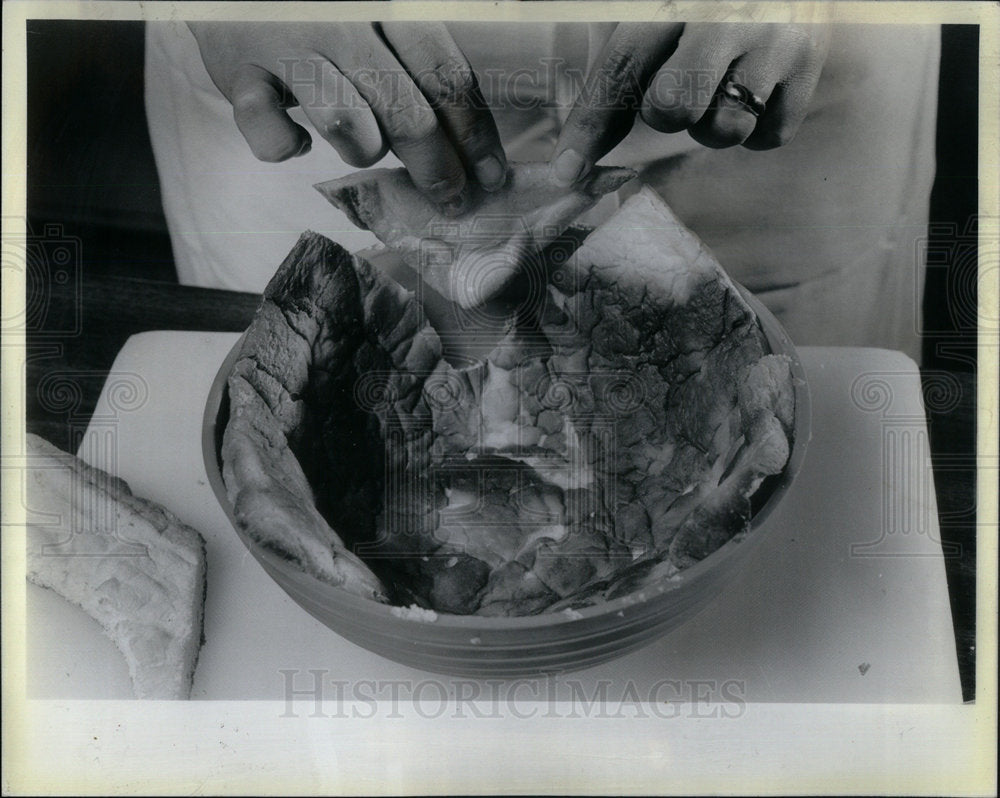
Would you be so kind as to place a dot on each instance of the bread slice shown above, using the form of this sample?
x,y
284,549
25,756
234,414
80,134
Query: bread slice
x,y
615,431
629,427
296,406
474,257
127,562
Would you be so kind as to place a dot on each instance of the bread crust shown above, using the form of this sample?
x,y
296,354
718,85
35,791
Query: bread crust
x,y
614,436
142,576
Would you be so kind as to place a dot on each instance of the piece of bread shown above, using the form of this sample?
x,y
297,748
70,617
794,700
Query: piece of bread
x,y
636,421
614,433
322,323
127,562
473,257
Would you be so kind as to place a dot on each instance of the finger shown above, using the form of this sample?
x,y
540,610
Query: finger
x,y
685,86
739,102
612,94
339,113
442,72
407,120
259,101
787,106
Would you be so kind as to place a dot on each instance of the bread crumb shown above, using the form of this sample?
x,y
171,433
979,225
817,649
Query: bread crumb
x,y
415,613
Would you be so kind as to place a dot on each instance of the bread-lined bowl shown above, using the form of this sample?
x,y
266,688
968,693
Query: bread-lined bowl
x,y
570,639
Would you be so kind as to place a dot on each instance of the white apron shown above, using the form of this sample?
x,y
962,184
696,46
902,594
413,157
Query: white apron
x,y
826,230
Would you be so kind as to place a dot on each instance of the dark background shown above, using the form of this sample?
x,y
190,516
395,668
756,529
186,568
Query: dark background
x,y
92,181
90,165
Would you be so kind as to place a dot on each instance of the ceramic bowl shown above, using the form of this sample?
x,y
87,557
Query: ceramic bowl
x,y
485,647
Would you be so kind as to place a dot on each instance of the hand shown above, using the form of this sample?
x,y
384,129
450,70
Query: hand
x,y
681,77
365,88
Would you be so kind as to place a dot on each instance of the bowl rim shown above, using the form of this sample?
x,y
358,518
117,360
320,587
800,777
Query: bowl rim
x,y
644,600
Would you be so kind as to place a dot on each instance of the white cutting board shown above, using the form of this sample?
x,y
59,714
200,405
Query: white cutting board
x,y
844,599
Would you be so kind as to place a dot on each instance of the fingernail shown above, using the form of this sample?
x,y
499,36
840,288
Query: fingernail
x,y
569,167
490,172
306,146
456,205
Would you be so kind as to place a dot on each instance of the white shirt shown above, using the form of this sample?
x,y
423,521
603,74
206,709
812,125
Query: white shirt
x,y
826,230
